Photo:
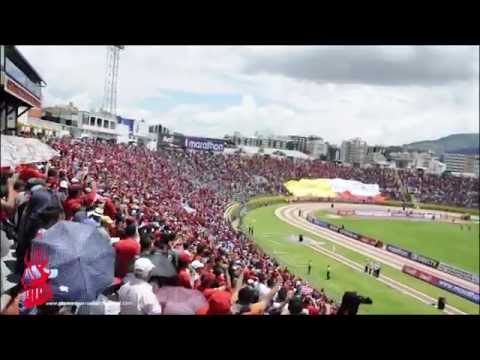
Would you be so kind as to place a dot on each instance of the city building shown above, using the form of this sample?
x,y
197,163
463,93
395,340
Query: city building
x,y
298,143
101,125
422,159
462,163
354,152
253,150
138,130
376,149
402,160
333,153
260,141
33,122
436,167
476,166
317,147
407,160
291,142
20,88
425,161
377,159
375,156
159,135
68,118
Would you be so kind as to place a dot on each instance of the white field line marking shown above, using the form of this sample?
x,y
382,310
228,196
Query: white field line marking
x,y
396,282
381,255
387,281
280,213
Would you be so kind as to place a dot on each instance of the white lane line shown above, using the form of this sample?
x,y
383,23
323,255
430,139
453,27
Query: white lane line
x,y
407,290
387,281
381,255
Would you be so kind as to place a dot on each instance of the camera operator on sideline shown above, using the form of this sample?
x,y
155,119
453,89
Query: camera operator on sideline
x,y
350,303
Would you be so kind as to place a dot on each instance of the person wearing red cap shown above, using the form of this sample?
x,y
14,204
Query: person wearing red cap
x,y
29,171
184,278
73,201
219,303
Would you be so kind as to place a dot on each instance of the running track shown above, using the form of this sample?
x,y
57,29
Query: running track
x,y
289,214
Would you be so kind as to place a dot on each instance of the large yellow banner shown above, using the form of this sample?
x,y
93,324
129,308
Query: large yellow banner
x,y
311,187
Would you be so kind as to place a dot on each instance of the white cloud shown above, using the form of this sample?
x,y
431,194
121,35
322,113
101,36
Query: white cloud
x,y
273,102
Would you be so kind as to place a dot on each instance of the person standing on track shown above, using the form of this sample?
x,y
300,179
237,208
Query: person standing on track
x,y
300,213
328,272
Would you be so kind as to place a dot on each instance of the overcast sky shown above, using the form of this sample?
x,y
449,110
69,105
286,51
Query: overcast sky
x,y
383,94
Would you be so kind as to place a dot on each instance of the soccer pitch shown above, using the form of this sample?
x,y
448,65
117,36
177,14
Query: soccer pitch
x,y
275,237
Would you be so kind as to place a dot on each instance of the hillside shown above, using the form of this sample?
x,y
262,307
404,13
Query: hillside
x,y
457,143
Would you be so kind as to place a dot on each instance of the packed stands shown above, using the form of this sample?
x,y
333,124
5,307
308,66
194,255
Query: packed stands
x,y
172,202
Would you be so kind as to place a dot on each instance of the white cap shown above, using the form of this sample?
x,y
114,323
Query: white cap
x,y
63,184
143,266
74,181
197,264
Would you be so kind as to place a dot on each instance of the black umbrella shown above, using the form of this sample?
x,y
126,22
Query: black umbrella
x,y
163,266
83,258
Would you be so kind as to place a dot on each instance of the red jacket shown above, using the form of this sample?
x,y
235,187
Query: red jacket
x,y
126,250
184,279
70,205
109,209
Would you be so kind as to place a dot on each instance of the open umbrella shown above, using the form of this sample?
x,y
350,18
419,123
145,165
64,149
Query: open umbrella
x,y
163,266
177,300
82,257
16,150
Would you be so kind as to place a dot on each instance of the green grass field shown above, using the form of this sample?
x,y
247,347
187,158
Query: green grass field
x,y
441,241
271,234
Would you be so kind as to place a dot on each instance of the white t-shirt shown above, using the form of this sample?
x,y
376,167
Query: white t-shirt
x,y
263,290
137,298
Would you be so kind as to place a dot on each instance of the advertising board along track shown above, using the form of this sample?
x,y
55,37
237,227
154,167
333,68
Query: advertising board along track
x,y
290,218
289,214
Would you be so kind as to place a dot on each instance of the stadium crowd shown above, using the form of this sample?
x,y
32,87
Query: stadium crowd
x,y
172,202
143,197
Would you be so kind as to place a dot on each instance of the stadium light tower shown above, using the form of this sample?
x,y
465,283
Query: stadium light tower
x,y
111,79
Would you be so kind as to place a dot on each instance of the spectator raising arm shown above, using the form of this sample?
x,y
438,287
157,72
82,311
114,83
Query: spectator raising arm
x,y
228,280
238,286
260,307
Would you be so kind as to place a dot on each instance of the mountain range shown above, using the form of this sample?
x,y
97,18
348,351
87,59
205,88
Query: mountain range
x,y
456,143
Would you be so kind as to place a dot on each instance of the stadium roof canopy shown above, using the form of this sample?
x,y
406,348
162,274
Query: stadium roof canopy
x,y
252,150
